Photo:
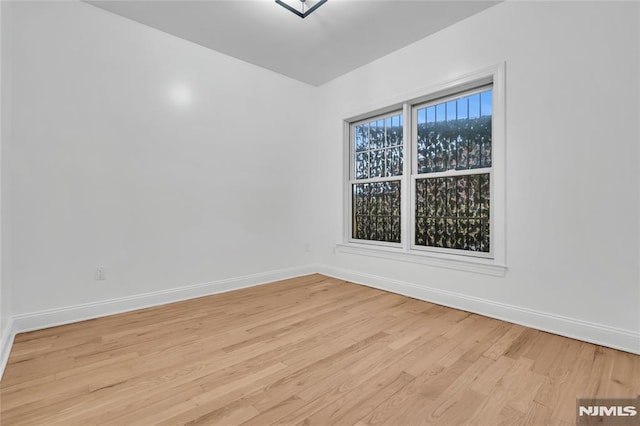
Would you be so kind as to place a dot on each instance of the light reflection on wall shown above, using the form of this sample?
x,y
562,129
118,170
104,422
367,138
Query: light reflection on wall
x,y
181,95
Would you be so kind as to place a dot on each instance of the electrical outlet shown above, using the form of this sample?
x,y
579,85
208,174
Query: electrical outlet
x,y
100,273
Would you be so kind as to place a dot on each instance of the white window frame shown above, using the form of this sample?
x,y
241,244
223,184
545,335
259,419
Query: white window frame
x,y
449,173
353,180
492,263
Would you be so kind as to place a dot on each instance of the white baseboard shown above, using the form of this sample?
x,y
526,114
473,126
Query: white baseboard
x,y
625,340
616,338
7,334
70,314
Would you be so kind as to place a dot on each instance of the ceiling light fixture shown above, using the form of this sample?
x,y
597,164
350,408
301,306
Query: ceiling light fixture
x,y
303,14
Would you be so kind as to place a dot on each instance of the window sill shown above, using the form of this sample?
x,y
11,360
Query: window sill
x,y
459,263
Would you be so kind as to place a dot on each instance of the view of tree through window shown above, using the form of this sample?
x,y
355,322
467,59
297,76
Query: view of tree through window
x,y
377,211
378,164
454,137
450,169
453,212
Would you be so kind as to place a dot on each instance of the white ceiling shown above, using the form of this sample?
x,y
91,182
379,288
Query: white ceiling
x,y
338,37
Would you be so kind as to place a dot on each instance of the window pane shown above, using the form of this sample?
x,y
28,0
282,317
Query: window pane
x,y
474,106
377,163
463,108
378,148
376,211
455,135
422,116
362,137
393,161
453,212
441,113
394,131
362,165
486,103
376,134
451,111
431,115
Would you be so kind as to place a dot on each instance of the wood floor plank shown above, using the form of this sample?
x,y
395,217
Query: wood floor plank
x,y
356,403
309,350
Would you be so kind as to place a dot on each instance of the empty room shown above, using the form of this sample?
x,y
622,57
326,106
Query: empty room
x,y
327,212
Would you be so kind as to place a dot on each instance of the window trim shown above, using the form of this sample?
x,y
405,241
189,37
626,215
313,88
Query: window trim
x,y
492,264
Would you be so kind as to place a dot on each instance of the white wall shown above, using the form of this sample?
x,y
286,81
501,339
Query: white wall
x,y
6,305
572,162
114,166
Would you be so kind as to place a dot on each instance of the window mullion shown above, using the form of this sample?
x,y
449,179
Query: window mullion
x,y
450,173
407,170
375,180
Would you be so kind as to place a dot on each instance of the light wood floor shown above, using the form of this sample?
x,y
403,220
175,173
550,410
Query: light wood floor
x,y
311,350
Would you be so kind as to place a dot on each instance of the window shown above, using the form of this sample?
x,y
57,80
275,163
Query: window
x,y
452,178
426,176
376,185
